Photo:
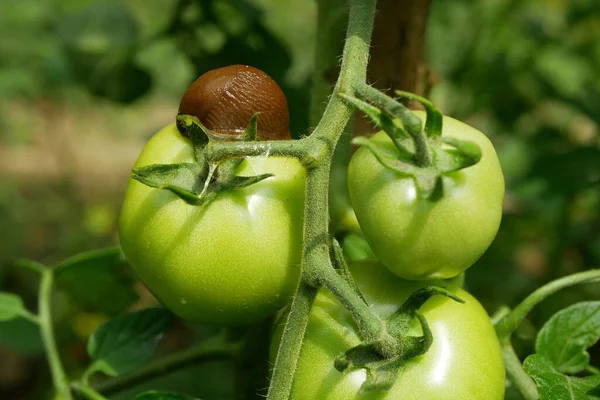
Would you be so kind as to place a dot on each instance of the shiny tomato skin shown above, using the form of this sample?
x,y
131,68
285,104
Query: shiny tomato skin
x,y
233,261
463,363
418,238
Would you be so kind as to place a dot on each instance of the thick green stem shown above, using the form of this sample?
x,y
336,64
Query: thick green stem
x,y
220,151
59,378
371,327
315,257
291,343
514,369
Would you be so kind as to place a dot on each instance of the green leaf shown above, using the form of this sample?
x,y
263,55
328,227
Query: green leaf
x,y
21,336
126,342
552,385
154,395
565,337
97,279
11,307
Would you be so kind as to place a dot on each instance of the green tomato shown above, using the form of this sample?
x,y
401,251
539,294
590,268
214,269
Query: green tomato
x,y
418,238
235,260
463,363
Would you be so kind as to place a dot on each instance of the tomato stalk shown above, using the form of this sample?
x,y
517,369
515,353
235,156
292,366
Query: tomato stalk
x,y
316,263
44,321
411,122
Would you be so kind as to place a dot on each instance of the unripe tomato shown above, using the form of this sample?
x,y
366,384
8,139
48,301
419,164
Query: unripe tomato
x,y
234,260
418,238
464,361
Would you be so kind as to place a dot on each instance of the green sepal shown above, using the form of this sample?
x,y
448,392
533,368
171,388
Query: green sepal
x,y
225,176
181,179
433,124
427,180
238,182
400,163
198,134
252,129
393,127
194,184
383,372
382,377
400,322
357,357
339,263
464,154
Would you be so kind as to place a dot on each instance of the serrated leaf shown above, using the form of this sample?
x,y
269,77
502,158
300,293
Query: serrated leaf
x,y
11,307
565,337
97,279
553,385
126,342
155,395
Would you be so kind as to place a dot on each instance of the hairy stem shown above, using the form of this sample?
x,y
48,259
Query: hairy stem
x,y
220,151
315,257
291,343
512,320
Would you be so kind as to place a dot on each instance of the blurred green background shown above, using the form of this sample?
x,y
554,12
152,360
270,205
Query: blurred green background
x,y
84,83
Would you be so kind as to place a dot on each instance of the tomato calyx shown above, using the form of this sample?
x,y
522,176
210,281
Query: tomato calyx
x,y
421,153
382,372
200,182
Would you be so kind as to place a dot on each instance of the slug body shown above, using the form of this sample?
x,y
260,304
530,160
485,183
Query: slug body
x,y
225,99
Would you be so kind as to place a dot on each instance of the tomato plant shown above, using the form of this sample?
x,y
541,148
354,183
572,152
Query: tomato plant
x,y
464,361
420,238
233,260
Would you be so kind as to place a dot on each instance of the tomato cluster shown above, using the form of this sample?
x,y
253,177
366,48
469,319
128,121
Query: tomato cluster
x,y
234,258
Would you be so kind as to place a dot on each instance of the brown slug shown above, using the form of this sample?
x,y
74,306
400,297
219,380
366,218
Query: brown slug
x,y
225,99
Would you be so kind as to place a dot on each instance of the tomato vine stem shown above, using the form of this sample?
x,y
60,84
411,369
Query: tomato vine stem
x,y
316,263
59,378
